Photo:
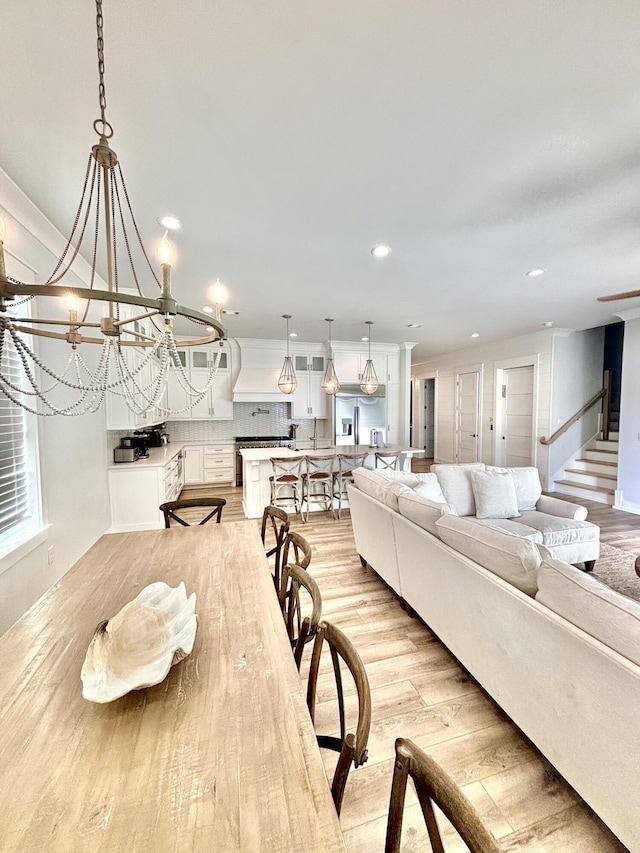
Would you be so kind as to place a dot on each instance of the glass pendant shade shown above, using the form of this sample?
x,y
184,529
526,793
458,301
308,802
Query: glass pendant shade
x,y
330,384
369,381
287,382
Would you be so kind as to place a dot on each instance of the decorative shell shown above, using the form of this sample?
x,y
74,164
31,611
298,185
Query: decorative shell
x,y
138,647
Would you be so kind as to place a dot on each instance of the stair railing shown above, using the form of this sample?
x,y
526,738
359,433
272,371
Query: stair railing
x,y
603,395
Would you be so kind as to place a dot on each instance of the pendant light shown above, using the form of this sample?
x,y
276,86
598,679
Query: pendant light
x,y
287,382
369,381
330,384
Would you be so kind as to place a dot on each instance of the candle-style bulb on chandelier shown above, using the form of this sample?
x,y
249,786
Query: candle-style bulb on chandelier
x,y
330,384
369,381
287,382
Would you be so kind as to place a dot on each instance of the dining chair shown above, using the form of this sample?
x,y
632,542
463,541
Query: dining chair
x,y
279,521
169,510
433,785
345,465
387,459
351,746
317,482
296,550
286,481
300,629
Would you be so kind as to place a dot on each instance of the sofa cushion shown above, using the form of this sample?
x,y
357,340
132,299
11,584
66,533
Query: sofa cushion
x,y
407,478
558,530
429,487
376,485
515,528
494,493
589,604
527,483
455,481
513,559
422,511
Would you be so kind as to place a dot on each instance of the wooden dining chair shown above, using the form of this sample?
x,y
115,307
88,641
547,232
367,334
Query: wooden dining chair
x,y
169,510
345,464
296,550
387,459
317,483
278,521
351,746
433,785
301,629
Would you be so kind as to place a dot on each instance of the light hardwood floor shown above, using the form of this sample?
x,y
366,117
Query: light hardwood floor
x,y
420,691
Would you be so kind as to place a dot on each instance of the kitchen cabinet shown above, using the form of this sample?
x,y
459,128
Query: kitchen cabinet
x,y
309,400
216,404
136,489
209,464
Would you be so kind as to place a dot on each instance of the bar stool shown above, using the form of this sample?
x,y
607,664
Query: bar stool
x,y
286,482
387,459
317,484
345,463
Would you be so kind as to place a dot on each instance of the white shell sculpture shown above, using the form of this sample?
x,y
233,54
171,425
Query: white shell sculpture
x,y
138,647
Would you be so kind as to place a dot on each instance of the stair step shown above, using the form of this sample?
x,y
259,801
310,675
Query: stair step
x,y
601,444
592,478
601,456
593,493
598,463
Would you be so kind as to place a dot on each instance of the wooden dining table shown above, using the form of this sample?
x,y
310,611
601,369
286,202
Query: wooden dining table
x,y
220,756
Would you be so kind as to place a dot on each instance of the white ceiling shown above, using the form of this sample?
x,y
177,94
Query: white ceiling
x,y
478,139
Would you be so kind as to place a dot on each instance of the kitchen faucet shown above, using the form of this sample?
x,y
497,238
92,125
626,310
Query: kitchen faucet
x,y
259,411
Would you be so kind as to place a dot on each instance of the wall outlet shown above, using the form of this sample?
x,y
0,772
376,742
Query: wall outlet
x,y
50,554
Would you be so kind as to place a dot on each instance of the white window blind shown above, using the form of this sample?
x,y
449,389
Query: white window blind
x,y
14,483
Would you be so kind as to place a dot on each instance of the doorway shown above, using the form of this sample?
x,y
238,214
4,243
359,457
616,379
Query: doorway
x,y
467,416
429,420
516,411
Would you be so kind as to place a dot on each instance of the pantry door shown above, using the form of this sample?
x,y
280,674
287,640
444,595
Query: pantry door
x,y
467,416
517,417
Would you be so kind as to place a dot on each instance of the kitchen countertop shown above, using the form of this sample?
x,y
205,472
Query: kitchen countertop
x,y
158,457
257,454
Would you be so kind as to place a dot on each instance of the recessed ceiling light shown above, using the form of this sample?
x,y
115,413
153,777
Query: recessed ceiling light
x,y
293,334
547,324
208,309
475,335
209,328
381,251
364,339
534,273
170,222
414,325
230,311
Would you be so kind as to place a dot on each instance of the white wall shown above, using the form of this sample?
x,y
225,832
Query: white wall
x,y
628,494
576,376
72,450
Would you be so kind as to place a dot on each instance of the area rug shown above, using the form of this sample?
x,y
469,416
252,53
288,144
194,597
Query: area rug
x,y
616,568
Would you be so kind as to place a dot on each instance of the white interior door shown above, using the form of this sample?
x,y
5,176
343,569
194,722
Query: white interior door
x,y
467,409
517,416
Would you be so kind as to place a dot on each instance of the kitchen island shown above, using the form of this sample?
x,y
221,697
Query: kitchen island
x,y
257,468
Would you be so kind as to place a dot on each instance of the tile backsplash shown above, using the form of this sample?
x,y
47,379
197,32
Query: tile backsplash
x,y
248,419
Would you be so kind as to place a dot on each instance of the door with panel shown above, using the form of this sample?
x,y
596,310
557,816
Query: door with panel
x,y
517,417
467,416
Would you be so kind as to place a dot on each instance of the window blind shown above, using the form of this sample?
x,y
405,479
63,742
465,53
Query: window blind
x,y
14,486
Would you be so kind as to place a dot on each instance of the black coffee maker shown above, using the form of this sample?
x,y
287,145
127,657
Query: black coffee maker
x,y
152,436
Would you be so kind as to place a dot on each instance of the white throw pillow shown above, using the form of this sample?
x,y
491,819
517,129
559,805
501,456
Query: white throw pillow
x,y
423,511
429,487
513,559
589,604
527,483
404,477
494,493
455,482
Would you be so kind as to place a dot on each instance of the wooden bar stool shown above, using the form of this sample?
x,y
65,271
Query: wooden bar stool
x,y
286,481
345,463
317,485
387,459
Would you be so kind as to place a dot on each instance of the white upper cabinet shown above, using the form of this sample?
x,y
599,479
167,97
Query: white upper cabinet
x,y
216,404
309,400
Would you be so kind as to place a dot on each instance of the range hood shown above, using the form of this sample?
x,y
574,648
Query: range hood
x,y
258,385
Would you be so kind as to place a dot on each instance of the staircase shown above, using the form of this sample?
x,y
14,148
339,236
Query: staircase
x,y
595,474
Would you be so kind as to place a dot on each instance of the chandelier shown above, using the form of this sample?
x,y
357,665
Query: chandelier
x,y
132,324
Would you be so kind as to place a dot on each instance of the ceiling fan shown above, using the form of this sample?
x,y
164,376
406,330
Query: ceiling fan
x,y
629,294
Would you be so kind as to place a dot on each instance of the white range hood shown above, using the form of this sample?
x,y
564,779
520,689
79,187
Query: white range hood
x,y
258,385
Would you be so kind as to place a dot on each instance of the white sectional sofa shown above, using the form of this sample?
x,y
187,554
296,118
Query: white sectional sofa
x,y
555,648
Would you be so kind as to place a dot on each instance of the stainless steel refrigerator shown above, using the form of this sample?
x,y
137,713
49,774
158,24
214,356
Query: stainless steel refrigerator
x,y
358,415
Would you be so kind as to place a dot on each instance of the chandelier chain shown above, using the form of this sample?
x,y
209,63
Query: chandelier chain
x,y
101,88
